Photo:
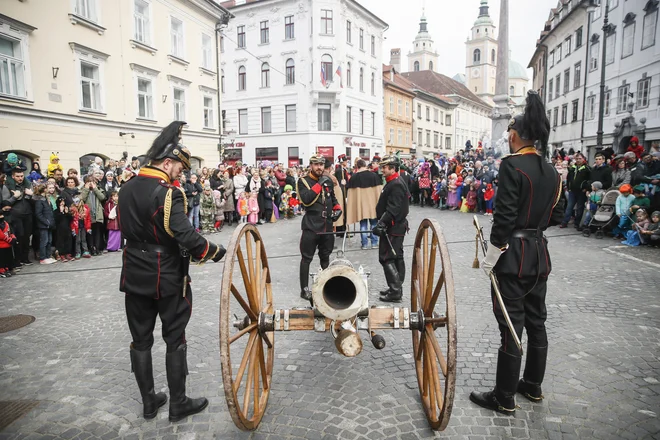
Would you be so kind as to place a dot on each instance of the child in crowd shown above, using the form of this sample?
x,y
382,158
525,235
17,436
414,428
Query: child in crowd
x,y
219,210
452,197
640,201
45,222
489,193
622,206
285,208
207,210
81,228
652,233
633,237
472,198
112,216
424,189
63,230
593,203
253,208
459,191
294,203
242,207
442,193
268,202
6,252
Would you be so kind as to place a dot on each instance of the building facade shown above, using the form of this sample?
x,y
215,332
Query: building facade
x,y
302,78
423,56
398,98
90,79
432,124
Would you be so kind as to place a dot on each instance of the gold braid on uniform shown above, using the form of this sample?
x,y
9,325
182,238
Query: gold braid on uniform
x,y
307,186
206,257
167,209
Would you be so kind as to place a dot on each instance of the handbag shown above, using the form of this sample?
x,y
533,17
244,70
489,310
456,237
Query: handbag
x,y
113,213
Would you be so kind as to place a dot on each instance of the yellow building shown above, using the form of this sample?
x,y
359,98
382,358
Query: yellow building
x,y
398,95
87,78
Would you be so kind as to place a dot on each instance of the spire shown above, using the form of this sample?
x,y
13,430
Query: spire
x,y
484,18
422,22
483,9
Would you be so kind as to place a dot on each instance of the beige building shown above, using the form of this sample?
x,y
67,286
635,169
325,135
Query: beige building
x,y
86,78
398,96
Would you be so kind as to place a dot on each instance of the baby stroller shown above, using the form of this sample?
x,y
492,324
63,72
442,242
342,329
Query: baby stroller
x,y
605,215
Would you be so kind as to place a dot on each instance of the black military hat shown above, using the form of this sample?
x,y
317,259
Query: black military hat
x,y
316,158
390,160
167,145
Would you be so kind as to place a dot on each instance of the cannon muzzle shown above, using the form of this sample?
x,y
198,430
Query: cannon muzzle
x,y
340,292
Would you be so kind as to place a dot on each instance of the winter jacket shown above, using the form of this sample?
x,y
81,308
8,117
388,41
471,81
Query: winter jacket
x,y
190,188
113,224
579,178
602,174
43,213
6,237
281,178
75,221
97,208
623,204
638,173
620,177
21,205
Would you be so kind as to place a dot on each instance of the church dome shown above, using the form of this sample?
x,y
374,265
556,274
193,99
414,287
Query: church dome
x,y
516,71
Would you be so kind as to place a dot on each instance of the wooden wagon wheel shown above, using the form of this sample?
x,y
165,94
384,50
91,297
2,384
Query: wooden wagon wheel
x,y
434,345
246,292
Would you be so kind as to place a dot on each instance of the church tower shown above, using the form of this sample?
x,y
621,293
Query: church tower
x,y
423,56
481,56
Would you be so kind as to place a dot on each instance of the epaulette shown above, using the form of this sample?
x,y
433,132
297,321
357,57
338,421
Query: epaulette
x,y
167,206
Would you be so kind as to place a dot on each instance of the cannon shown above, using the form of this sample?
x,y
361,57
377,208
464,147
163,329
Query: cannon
x,y
249,321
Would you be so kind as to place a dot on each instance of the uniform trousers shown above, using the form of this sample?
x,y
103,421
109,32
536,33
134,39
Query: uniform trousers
x,y
309,242
385,253
174,311
525,303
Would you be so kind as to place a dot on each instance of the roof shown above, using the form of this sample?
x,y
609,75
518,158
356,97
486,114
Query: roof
x,y
399,82
440,84
516,71
460,77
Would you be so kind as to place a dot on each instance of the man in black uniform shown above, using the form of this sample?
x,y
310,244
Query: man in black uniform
x,y
321,210
159,244
392,226
527,196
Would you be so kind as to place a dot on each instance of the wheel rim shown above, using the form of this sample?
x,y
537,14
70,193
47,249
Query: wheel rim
x,y
434,350
246,292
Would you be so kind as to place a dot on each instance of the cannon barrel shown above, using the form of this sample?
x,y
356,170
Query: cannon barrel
x,y
340,292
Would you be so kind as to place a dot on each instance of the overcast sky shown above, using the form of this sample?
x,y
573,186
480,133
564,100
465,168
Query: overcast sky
x,y
449,23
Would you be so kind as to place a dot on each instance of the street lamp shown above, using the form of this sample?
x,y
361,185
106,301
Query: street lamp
x,y
228,135
607,29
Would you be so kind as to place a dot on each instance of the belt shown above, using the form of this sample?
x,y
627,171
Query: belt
x,y
323,214
149,247
527,233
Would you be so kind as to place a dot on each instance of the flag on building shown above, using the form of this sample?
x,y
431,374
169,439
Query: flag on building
x,y
338,73
323,78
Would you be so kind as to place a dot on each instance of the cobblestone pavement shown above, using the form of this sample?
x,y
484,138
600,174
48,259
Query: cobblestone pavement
x,y
602,379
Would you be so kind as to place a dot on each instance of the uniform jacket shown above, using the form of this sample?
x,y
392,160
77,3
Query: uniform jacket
x,y
392,207
363,189
341,200
527,195
317,200
152,212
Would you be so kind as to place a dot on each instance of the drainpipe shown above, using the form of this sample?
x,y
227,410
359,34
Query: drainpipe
x,y
586,75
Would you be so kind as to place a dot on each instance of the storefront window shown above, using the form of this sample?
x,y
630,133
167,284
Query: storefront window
x,y
364,154
268,153
232,155
294,157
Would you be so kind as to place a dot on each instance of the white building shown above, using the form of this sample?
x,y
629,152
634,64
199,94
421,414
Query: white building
x,y
301,78
432,123
92,78
632,75
423,56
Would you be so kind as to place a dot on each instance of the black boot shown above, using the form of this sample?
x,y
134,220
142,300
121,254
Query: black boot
x,y
501,399
142,367
395,293
305,291
530,385
177,370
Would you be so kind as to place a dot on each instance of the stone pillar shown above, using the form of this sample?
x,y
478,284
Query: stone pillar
x,y
501,114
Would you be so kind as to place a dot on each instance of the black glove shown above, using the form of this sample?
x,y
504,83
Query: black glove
x,y
325,181
221,253
380,229
336,214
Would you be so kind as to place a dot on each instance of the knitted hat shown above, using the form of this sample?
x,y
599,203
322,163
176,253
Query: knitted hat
x,y
625,188
597,185
12,159
288,188
639,189
655,214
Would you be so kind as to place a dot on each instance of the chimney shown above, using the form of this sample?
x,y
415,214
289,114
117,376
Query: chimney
x,y
395,59
392,74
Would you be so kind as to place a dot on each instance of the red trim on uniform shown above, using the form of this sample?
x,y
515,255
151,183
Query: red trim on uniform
x,y
206,250
154,223
154,173
189,305
392,177
336,207
522,242
317,188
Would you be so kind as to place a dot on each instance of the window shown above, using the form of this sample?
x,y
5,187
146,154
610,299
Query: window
x,y
145,98
349,119
208,112
289,30
242,121
476,56
222,80
407,110
643,91
391,105
290,71
399,107
391,138
593,56
492,56
176,33
557,86
551,89
399,138
577,75
90,86
430,65
12,68
436,137
419,111
628,39
448,142
348,75
142,23
207,52
567,46
552,58
361,39
567,80
428,113
448,121
555,116
373,46
428,138
240,31
574,110
610,48
373,124
361,79
406,140
558,53
179,104
606,107
373,84
361,121
265,33
416,66
597,13
265,120
348,32
265,75
549,115
291,117
564,114
512,90
87,9
436,114
578,37
325,115
326,21
649,28
591,107
326,67
419,137
622,98
241,78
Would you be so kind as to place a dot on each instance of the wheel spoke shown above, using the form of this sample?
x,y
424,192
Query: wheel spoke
x,y
242,302
255,364
429,373
262,365
420,278
248,385
421,346
250,266
428,310
262,285
244,360
238,335
244,273
425,267
437,349
434,370
430,273
257,276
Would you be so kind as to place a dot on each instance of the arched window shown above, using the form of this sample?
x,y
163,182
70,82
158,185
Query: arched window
x,y
492,56
265,75
326,66
512,90
373,83
290,71
430,65
361,79
241,78
222,80
476,56
348,74
416,66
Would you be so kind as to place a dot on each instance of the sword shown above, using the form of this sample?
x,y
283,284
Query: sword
x,y
495,284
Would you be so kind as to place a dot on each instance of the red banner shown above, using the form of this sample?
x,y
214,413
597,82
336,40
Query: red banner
x,y
327,152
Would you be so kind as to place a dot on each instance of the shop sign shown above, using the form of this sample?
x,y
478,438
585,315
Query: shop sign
x,y
348,140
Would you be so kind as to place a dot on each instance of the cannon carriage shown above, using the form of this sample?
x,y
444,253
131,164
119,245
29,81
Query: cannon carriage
x,y
249,321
